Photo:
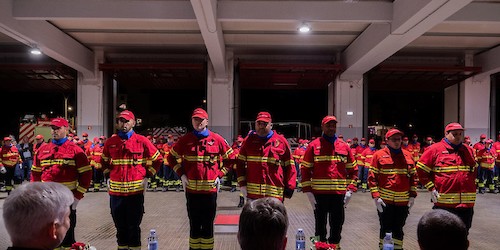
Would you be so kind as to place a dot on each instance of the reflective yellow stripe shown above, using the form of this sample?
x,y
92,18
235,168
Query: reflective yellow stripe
x,y
457,198
374,170
126,161
201,185
34,168
57,162
306,164
201,158
71,185
393,171
155,155
393,195
242,157
270,160
306,183
487,165
227,153
125,187
429,185
330,184
175,154
265,190
448,169
423,167
152,170
9,163
10,154
289,163
242,178
336,158
84,169
177,166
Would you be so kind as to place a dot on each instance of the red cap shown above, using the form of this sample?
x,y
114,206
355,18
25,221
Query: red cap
x,y
483,136
80,143
392,132
328,119
363,139
349,140
85,135
467,137
39,137
102,137
239,139
76,138
489,141
454,126
341,136
264,117
428,138
200,113
415,136
301,141
405,138
127,115
371,141
355,139
96,139
7,138
59,122
71,134
149,137
383,143
170,136
305,141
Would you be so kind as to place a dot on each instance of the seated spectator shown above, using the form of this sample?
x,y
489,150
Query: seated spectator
x,y
440,229
263,225
36,215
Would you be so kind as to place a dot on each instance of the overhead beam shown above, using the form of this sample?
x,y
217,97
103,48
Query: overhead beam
x,y
380,41
211,31
102,9
477,12
52,41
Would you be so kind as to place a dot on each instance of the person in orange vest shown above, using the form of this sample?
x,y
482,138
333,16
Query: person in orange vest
x,y
486,158
233,172
448,170
9,160
170,176
64,162
329,177
196,158
141,159
298,155
393,186
265,165
357,150
366,158
414,148
96,153
86,142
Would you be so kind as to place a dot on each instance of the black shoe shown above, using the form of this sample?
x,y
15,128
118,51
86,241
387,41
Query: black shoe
x,y
177,189
233,189
495,191
242,202
482,191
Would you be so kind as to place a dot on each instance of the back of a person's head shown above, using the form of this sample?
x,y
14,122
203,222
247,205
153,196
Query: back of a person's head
x,y
31,207
440,229
263,225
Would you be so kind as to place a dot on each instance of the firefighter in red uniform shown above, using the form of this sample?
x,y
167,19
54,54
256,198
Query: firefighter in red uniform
x,y
9,159
95,162
39,142
496,170
129,158
86,142
196,159
265,165
393,187
406,145
357,150
414,148
170,176
486,159
448,170
476,148
329,175
298,155
366,157
64,162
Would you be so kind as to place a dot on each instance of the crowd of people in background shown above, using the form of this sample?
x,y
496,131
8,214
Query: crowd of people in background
x,y
328,169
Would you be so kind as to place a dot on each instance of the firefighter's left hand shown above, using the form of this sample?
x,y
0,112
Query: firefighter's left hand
x,y
75,203
217,184
347,197
411,202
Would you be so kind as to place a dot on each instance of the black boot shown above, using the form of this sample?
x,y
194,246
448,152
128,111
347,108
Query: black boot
x,y
242,202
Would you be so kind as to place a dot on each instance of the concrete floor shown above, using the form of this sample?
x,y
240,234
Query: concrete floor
x,y
166,212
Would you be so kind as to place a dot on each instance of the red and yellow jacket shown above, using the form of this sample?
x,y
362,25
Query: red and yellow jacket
x,y
9,156
166,148
451,172
66,164
266,167
356,152
367,156
496,147
298,154
95,156
200,160
128,162
415,150
392,176
328,168
486,158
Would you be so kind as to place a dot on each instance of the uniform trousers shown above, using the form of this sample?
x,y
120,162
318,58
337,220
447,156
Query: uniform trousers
x,y
392,219
69,239
465,214
329,206
201,210
127,212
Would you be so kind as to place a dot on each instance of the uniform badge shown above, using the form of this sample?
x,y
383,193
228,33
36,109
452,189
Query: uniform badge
x,y
211,143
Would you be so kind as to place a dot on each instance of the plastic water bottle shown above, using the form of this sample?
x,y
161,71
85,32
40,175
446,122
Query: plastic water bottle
x,y
388,242
152,240
300,240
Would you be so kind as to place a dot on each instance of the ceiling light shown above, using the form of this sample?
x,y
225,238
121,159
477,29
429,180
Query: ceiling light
x,y
304,28
35,51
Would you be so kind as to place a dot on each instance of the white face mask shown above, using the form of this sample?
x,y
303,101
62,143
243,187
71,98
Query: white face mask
x,y
363,143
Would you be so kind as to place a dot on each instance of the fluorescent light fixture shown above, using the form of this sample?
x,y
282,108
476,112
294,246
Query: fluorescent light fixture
x,y
304,28
350,113
35,51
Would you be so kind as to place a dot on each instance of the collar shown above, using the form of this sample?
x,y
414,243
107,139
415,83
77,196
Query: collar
x,y
126,136
330,139
204,133
60,141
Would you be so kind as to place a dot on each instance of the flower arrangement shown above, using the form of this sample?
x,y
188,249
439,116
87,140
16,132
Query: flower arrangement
x,y
318,245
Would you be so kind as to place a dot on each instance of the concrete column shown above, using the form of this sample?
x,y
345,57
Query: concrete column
x,y
349,107
90,111
452,104
476,119
220,100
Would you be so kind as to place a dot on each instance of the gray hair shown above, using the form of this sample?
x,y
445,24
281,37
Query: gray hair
x,y
439,229
32,206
